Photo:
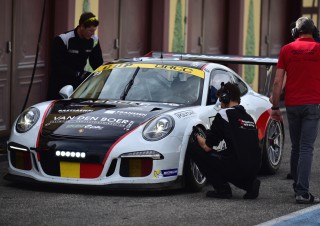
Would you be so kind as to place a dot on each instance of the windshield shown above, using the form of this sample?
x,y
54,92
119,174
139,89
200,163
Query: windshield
x,y
143,82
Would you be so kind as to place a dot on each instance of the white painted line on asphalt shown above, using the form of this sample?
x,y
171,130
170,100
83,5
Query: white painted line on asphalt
x,y
307,214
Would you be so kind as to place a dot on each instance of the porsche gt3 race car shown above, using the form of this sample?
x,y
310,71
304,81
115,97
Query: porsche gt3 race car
x,y
129,124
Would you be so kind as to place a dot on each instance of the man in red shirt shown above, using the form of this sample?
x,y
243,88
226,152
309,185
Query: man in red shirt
x,y
300,61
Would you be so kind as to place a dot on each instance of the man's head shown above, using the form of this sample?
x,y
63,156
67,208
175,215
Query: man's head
x,y
229,94
303,26
88,24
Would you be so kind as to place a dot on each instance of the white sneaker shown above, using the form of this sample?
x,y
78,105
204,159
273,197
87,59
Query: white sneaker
x,y
307,198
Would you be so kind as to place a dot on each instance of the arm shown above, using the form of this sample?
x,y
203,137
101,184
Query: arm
x,y
277,88
95,57
213,136
59,56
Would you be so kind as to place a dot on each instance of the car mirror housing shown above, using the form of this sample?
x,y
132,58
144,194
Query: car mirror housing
x,y
66,91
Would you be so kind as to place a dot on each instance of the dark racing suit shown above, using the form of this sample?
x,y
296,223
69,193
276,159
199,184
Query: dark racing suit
x,y
69,57
236,156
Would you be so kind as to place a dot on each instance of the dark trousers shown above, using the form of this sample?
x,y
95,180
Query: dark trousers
x,y
303,126
220,171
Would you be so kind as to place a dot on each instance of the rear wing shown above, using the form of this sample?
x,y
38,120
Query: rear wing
x,y
268,62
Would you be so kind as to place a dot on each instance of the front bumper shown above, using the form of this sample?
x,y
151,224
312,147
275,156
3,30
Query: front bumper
x,y
112,172
176,184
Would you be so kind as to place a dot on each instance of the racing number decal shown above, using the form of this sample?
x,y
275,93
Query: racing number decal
x,y
187,70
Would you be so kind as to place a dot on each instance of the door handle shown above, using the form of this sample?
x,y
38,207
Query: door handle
x,y
116,43
9,47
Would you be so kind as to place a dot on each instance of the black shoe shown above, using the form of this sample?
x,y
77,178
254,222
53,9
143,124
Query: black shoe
x,y
253,193
219,194
307,198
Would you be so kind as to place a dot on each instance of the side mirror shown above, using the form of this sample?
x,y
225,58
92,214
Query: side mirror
x,y
66,91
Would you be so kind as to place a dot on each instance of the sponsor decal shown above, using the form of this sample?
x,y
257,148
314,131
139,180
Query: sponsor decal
x,y
165,173
118,122
172,104
75,111
77,126
184,114
79,105
129,125
126,102
103,121
246,124
126,113
59,120
188,70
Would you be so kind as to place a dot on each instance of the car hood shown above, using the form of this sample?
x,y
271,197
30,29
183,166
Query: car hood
x,y
99,120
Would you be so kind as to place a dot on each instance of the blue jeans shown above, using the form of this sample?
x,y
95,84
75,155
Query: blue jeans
x,y
303,127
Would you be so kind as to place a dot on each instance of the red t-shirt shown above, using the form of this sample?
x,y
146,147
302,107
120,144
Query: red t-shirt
x,y
301,61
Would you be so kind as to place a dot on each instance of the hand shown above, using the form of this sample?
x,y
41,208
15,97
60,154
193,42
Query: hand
x,y
202,143
276,115
270,99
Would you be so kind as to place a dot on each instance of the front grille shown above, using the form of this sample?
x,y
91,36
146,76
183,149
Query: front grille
x,y
72,158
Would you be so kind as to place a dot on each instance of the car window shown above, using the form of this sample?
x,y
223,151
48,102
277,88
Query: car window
x,y
242,86
217,77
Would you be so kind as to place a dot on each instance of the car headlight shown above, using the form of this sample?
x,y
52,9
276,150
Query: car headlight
x,y
158,128
27,120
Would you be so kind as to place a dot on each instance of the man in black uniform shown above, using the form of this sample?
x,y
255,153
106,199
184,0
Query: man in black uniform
x,y
70,52
230,152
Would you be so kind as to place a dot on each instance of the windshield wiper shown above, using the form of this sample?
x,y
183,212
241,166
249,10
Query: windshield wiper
x,y
129,85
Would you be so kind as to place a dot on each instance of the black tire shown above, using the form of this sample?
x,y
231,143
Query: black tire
x,y
194,180
272,149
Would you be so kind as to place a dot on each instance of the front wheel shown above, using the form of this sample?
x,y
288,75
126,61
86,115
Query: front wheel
x,y
193,178
272,147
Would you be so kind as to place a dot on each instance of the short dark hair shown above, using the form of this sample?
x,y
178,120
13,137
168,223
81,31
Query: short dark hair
x,y
88,19
232,89
305,25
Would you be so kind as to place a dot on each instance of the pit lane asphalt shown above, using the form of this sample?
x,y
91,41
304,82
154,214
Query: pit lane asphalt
x,y
33,205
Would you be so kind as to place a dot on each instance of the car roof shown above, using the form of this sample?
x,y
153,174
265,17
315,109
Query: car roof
x,y
221,59
166,61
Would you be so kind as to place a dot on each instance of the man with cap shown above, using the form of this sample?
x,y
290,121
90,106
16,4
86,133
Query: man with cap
x,y
300,61
70,52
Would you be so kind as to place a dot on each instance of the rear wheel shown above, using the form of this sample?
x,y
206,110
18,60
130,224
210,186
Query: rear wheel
x,y
272,147
194,179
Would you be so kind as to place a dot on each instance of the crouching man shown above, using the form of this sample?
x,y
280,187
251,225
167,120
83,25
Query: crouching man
x,y
230,152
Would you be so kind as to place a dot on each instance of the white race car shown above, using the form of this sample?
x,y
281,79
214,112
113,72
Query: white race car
x,y
128,125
